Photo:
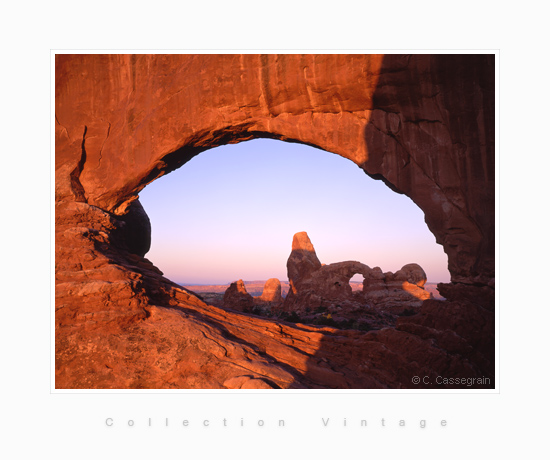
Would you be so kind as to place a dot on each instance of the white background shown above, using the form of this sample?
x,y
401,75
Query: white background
x,y
35,422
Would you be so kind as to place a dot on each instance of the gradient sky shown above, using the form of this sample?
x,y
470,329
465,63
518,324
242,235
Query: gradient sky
x,y
231,212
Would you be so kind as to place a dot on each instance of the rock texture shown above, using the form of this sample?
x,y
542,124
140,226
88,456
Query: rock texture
x,y
271,298
237,297
424,124
272,291
318,287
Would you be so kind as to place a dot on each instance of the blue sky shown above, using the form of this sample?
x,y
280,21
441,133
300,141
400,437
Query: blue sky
x,y
231,212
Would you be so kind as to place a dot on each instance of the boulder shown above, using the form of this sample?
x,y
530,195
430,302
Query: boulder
x,y
272,291
237,298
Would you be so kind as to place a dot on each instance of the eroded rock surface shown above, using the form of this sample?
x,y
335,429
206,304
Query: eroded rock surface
x,y
395,292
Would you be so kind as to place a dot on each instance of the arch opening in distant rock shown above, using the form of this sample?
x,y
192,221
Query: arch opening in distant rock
x,y
357,278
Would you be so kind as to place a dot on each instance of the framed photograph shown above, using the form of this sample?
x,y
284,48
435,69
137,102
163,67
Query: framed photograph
x,y
360,216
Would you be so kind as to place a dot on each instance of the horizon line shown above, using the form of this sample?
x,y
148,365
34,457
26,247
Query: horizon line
x,y
263,281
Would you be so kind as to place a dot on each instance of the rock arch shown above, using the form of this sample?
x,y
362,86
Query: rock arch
x,y
424,124
313,284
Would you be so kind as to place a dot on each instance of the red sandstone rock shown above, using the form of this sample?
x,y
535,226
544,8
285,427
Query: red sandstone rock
x,y
396,292
272,291
302,261
317,286
237,298
423,123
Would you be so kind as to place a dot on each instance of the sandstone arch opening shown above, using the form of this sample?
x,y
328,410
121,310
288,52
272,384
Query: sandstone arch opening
x,y
230,213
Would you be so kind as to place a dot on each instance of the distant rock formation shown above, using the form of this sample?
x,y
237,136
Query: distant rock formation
x,y
397,291
237,298
271,292
303,260
314,286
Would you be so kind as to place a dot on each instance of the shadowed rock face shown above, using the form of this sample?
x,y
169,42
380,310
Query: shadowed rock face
x,y
423,124
136,229
303,261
